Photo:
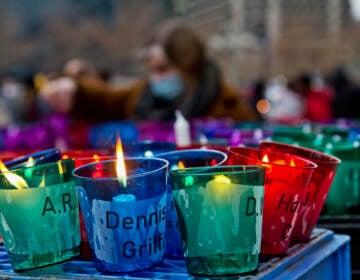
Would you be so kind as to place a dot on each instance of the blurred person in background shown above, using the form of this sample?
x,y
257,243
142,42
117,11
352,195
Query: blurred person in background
x,y
180,76
16,99
286,105
319,97
347,94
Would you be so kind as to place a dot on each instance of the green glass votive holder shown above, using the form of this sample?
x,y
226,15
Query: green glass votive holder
x,y
344,194
220,217
39,215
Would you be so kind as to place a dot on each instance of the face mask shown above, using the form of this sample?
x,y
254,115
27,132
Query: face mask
x,y
167,88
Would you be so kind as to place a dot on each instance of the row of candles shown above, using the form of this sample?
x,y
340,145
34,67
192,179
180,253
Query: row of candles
x,y
219,209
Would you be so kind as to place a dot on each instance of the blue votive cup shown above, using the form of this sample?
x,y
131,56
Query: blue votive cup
x,y
44,156
124,217
182,159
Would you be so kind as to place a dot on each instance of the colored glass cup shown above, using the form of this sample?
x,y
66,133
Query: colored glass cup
x,y
220,217
207,146
9,155
344,194
44,156
82,157
39,223
124,218
286,181
318,187
74,154
178,159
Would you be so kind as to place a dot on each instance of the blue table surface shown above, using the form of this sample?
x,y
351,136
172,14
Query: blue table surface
x,y
299,257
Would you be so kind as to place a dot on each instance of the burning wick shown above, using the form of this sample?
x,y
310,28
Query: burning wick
x,y
14,179
120,162
121,173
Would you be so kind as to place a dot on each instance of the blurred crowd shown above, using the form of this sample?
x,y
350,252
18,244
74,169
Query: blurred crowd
x,y
308,96
180,76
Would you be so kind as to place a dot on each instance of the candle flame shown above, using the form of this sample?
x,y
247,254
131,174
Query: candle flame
x,y
42,182
222,179
96,158
292,162
181,165
265,158
148,154
30,162
120,162
14,179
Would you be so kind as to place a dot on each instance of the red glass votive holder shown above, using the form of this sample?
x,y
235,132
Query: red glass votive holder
x,y
82,157
318,187
75,154
286,181
9,155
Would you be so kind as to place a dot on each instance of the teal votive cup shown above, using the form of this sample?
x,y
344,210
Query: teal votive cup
x,y
220,217
39,215
182,159
344,194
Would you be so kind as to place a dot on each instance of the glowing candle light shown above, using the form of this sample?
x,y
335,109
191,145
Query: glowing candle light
x,y
124,214
16,180
121,173
265,158
120,163
181,165
221,210
30,162
287,179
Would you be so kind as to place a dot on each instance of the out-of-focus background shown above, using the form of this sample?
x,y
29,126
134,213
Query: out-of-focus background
x,y
250,38
254,42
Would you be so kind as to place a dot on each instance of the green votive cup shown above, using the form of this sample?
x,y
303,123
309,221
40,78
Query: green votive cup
x,y
344,194
220,216
39,219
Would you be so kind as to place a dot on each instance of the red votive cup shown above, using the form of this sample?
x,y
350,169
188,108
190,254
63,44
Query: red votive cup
x,y
75,154
9,155
318,187
286,181
82,157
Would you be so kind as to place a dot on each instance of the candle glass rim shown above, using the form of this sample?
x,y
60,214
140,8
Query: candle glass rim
x,y
309,163
332,160
141,147
73,152
38,165
23,159
86,158
148,142
177,152
142,174
39,188
220,170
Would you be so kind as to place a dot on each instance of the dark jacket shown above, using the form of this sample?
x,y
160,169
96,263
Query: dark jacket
x,y
210,98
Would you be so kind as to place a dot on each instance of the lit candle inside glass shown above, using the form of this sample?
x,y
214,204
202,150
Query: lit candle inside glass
x,y
220,213
14,179
121,172
287,180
